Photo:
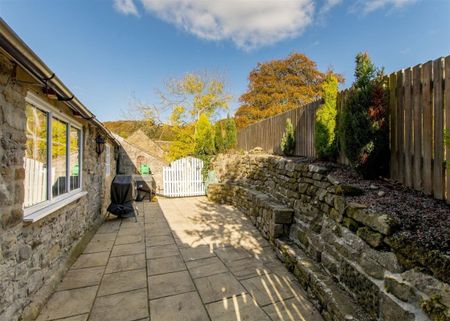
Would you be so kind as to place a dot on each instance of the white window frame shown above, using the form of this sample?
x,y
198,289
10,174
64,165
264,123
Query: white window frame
x,y
107,160
40,210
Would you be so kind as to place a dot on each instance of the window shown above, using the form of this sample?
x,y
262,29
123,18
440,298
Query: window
x,y
52,156
107,160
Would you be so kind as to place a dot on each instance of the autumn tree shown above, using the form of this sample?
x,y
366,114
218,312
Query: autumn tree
x,y
194,100
279,85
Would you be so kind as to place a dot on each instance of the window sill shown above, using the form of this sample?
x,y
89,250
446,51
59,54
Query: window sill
x,y
43,212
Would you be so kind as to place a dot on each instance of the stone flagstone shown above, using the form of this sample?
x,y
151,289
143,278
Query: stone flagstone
x,y
183,260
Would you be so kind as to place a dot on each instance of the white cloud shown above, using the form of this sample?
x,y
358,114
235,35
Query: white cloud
x,y
328,5
368,6
126,7
247,23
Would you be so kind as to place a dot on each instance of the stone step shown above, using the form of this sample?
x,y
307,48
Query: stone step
x,y
333,302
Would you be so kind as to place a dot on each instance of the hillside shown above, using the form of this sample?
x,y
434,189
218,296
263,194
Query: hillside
x,y
125,128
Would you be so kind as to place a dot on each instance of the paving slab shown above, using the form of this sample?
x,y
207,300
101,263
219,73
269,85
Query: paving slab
x,y
63,304
91,260
196,253
247,268
181,307
126,263
125,306
155,252
129,238
81,317
218,286
229,254
169,284
165,265
128,249
159,240
237,308
80,278
269,289
122,282
206,267
294,309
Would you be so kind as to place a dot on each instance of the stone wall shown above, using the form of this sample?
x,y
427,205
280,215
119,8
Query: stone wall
x,y
34,256
345,255
129,154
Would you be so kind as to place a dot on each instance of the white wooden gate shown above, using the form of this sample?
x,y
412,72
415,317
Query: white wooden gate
x,y
184,178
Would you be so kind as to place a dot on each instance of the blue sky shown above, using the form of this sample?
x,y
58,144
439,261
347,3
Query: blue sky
x,y
109,51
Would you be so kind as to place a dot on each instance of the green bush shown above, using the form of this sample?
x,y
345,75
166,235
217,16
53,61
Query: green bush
x,y
204,137
219,140
225,136
230,140
363,125
288,139
324,138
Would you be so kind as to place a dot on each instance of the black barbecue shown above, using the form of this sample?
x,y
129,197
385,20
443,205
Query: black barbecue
x,y
122,197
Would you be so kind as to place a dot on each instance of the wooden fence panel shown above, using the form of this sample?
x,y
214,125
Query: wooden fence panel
x,y
268,133
417,123
408,126
393,123
427,145
400,127
447,119
438,140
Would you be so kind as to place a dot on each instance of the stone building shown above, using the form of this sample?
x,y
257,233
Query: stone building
x,y
138,149
55,176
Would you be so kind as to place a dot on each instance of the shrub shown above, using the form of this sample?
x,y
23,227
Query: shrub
x,y
219,140
204,137
324,138
363,128
230,140
288,139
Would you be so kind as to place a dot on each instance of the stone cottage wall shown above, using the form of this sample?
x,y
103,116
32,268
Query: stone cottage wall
x,y
128,156
34,256
346,256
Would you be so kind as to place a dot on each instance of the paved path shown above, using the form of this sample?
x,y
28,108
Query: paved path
x,y
184,260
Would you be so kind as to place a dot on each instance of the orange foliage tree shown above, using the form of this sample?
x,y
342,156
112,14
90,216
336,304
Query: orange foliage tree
x,y
279,85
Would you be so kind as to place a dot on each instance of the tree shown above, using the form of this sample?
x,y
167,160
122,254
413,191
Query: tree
x,y
193,101
364,126
230,140
324,138
288,139
280,85
219,139
204,137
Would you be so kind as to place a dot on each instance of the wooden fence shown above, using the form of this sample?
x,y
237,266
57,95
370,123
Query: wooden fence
x,y
419,107
267,133
419,111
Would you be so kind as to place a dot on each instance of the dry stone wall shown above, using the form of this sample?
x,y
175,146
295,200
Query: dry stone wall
x,y
34,256
344,254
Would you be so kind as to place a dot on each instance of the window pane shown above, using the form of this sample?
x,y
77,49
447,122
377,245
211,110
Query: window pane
x,y
35,157
74,158
59,157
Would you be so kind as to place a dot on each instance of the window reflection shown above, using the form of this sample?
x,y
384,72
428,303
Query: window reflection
x,y
59,155
74,158
35,157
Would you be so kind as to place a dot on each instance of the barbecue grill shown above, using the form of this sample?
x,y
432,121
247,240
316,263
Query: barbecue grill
x,y
122,197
